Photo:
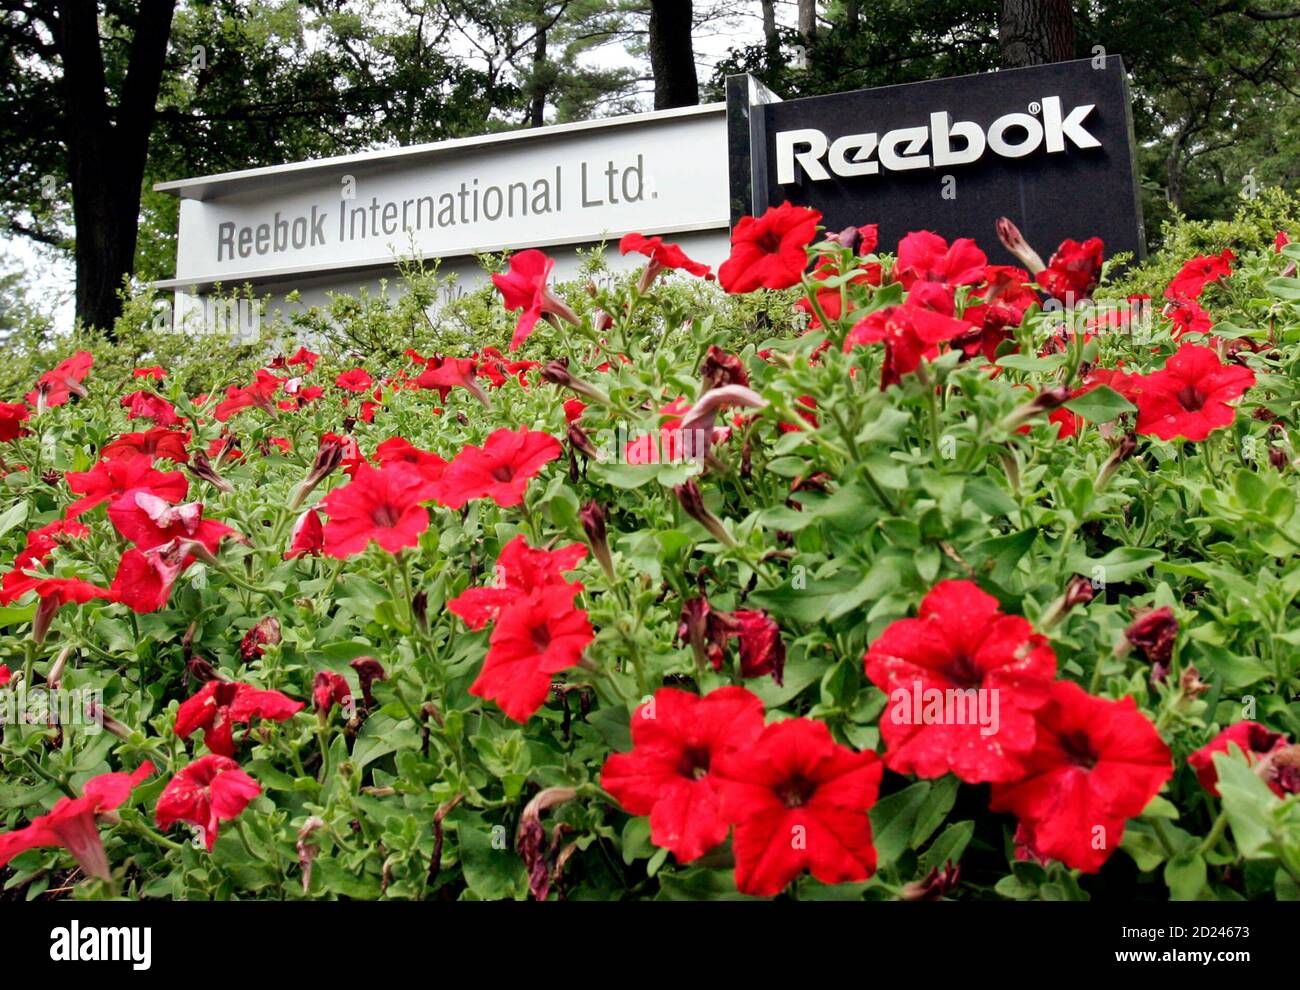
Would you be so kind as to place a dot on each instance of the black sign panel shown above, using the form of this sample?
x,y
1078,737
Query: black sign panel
x,y
1049,146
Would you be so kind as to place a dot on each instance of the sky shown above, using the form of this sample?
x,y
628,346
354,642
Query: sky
x,y
51,277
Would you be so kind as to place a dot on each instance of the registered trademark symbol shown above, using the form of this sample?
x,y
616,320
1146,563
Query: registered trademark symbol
x,y
1034,107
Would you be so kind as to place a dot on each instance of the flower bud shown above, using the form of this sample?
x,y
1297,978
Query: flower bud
x,y
202,469
1044,401
692,502
936,884
592,517
99,717
557,373
1078,591
1011,238
580,441
329,455
1126,448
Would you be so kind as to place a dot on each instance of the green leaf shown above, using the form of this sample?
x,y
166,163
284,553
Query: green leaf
x,y
1120,564
1248,801
893,818
1100,404
1284,288
948,847
1185,876
817,598
937,805
493,871
15,516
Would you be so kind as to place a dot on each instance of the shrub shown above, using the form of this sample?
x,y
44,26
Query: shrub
x,y
657,606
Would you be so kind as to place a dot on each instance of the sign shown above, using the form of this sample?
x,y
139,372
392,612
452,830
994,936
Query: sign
x,y
1049,146
658,173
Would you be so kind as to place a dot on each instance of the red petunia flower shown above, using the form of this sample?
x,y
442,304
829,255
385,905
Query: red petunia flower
x,y
661,256
220,705
524,287
500,469
771,251
308,536
1094,764
924,256
1253,739
157,372
1190,318
829,300
209,791
148,521
110,478
677,739
762,650
799,802
1197,273
451,373
1074,270
398,450
146,405
304,357
666,445
330,689
911,332
988,672
144,578
537,636
357,380
71,823
152,444
57,385
573,410
519,570
42,542
1191,396
382,505
996,306
259,394
53,592
12,417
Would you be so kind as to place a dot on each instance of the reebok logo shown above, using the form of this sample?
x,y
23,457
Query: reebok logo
x,y
943,143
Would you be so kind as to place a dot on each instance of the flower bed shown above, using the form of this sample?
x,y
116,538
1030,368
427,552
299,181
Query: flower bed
x,y
974,585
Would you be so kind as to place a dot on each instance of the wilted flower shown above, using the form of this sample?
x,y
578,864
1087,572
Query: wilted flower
x,y
368,671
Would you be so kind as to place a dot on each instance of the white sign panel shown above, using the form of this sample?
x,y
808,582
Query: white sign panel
x,y
580,183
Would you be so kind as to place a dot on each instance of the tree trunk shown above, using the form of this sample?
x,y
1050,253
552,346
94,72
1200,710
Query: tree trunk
x,y
808,21
537,105
1034,32
851,15
672,56
771,40
106,156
